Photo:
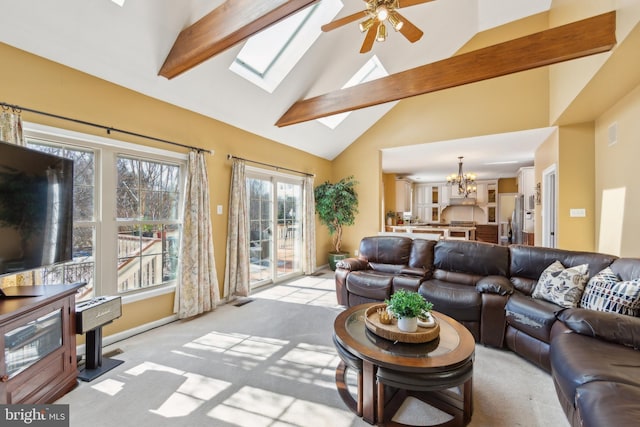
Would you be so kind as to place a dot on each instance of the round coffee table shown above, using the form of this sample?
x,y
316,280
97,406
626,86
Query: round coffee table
x,y
428,370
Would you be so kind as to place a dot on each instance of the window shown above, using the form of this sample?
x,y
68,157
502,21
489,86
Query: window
x,y
270,55
127,212
82,268
371,70
148,222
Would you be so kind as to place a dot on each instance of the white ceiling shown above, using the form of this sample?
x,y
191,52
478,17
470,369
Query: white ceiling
x,y
127,46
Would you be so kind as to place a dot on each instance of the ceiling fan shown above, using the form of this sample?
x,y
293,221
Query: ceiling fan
x,y
374,17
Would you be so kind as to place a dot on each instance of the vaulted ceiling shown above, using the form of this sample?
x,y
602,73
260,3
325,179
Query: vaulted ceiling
x,y
132,46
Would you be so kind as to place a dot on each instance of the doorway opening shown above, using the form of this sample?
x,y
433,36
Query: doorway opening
x,y
549,207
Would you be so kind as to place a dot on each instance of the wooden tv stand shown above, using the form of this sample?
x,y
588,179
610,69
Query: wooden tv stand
x,y
38,346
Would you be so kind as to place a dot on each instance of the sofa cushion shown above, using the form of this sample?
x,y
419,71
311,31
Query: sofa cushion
x,y
386,249
386,268
578,359
605,403
476,258
370,284
461,302
606,292
535,317
560,285
421,256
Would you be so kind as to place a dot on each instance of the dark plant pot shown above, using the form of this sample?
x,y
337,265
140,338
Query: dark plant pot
x,y
334,257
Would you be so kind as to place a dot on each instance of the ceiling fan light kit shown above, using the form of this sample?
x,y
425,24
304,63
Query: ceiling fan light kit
x,y
382,33
375,15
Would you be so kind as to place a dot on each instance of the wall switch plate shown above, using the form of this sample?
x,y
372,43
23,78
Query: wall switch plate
x,y
355,253
577,213
219,209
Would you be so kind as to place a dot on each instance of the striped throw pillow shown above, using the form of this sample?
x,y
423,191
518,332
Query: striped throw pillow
x,y
606,292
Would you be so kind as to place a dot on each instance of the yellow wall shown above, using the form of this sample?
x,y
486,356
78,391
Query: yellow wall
x,y
507,185
616,170
37,83
576,183
389,184
546,155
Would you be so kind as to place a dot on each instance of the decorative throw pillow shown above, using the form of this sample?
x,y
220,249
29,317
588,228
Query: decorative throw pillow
x,y
562,286
606,292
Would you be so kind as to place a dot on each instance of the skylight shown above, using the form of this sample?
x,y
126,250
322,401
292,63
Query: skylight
x,y
371,70
267,58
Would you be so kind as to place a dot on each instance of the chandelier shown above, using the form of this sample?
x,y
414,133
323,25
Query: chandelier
x,y
466,182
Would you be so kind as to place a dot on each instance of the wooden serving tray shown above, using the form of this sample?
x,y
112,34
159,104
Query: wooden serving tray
x,y
391,331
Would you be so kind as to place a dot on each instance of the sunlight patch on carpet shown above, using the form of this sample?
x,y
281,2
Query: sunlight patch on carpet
x,y
414,412
255,407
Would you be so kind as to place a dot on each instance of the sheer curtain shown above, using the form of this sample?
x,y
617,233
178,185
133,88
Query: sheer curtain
x,y
236,274
11,131
309,228
197,290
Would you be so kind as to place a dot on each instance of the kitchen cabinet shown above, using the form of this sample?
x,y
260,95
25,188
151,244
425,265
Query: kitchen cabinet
x,y
427,202
526,186
403,195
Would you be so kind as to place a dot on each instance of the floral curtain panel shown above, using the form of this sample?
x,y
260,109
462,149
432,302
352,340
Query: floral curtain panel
x,y
236,275
309,228
11,131
197,290
11,126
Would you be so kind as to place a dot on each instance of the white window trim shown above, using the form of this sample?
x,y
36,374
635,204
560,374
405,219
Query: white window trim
x,y
113,147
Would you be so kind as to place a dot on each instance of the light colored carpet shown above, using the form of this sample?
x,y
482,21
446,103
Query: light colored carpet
x,y
271,362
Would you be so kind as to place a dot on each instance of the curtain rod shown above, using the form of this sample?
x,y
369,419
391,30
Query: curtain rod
x,y
109,129
230,156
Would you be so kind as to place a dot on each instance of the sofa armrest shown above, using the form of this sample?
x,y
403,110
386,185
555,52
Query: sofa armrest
x,y
414,271
613,327
352,264
495,285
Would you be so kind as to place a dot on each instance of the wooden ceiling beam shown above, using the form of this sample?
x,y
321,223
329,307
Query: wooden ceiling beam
x,y
228,24
582,38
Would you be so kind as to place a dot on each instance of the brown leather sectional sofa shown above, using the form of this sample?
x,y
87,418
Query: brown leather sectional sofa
x,y
593,356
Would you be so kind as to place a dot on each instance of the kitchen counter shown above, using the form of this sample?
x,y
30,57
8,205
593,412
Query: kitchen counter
x,y
439,231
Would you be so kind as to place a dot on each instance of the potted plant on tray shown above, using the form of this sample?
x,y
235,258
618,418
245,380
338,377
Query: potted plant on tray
x,y
337,206
407,306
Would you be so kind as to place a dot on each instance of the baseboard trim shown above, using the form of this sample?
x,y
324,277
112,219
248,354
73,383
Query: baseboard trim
x,y
112,339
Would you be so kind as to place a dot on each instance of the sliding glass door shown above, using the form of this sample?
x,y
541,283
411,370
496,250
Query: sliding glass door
x,y
275,225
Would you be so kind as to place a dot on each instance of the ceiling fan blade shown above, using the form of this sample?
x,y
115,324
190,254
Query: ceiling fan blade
x,y
408,3
370,38
344,21
410,31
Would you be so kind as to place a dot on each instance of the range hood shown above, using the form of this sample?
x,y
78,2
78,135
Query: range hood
x,y
463,201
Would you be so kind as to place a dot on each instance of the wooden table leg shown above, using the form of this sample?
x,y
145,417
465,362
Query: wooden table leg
x,y
369,392
467,402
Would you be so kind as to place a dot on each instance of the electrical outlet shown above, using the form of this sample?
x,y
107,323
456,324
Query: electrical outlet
x,y
355,253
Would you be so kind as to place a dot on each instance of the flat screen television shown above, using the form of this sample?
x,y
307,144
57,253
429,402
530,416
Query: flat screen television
x,y
36,209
